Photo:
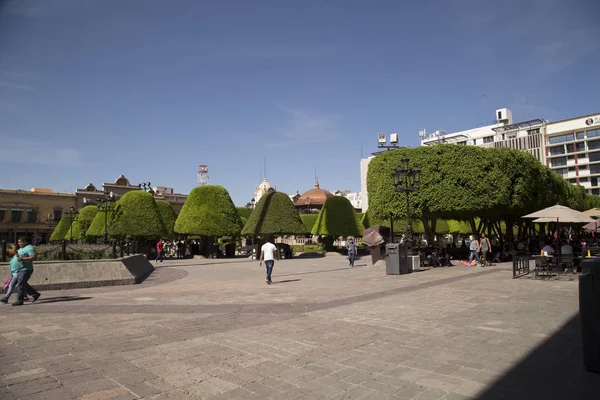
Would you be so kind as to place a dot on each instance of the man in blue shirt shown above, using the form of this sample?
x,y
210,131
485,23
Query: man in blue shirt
x,y
26,254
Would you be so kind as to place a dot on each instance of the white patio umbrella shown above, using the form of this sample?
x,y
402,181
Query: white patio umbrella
x,y
560,214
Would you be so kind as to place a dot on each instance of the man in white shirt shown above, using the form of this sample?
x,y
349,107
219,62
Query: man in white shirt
x,y
268,253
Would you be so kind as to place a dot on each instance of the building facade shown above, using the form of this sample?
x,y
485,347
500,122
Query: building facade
x,y
355,198
31,213
572,148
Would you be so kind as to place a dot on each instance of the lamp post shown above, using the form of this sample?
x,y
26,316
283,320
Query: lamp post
x,y
145,186
406,180
73,215
250,204
106,204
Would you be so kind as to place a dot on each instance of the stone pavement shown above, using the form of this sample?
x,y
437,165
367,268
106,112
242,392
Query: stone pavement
x,y
212,329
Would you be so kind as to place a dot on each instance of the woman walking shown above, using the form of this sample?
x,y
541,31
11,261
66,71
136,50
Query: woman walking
x,y
474,247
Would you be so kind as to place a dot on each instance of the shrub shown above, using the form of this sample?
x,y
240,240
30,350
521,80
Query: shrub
x,y
84,220
209,211
274,214
244,212
62,230
309,221
168,216
337,218
96,229
50,252
307,248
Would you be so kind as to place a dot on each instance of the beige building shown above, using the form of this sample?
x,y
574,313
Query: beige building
x,y
35,213
30,213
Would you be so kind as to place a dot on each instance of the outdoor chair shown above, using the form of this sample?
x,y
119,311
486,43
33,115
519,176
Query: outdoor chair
x,y
543,266
566,262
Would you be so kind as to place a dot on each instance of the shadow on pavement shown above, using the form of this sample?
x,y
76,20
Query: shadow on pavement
x,y
287,281
553,371
315,272
309,255
59,299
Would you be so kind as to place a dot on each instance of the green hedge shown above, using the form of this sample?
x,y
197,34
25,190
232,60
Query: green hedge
x,y
96,229
309,221
274,214
244,212
84,220
337,218
168,216
209,211
136,215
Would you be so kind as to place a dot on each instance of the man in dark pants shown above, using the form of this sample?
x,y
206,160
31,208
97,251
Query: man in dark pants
x,y
26,254
269,253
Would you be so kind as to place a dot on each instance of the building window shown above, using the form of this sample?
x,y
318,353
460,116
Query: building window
x,y
580,135
574,180
561,139
559,161
561,171
582,167
593,133
571,169
535,131
595,181
595,156
2,214
580,146
488,139
570,157
461,143
571,148
594,169
584,179
57,214
15,217
31,216
558,150
596,192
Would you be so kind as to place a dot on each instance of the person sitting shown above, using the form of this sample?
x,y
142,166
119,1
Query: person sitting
x,y
566,249
548,250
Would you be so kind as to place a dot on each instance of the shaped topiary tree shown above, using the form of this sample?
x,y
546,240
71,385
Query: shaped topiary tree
x,y
84,220
62,230
274,214
168,216
309,221
136,215
96,228
337,218
208,211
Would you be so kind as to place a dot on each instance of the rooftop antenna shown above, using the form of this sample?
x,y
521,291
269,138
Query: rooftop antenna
x,y
265,167
202,175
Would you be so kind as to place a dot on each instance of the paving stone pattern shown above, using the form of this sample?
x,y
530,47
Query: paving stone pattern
x,y
213,329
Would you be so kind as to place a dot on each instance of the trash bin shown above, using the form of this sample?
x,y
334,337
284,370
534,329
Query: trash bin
x,y
589,311
396,260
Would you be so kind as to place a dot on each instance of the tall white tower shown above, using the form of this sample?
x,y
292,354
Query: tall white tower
x,y
202,174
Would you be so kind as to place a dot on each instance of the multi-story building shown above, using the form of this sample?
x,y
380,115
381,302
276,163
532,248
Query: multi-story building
x,y
572,148
31,213
355,198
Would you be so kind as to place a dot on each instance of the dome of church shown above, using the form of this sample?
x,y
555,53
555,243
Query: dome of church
x,y
262,189
314,197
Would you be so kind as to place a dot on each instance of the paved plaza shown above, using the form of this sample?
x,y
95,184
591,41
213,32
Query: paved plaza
x,y
213,329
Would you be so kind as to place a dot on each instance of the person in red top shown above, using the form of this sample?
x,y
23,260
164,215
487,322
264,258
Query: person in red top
x,y
159,251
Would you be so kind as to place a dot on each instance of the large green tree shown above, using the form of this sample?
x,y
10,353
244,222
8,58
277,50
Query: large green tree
x,y
309,221
168,216
274,214
63,229
208,211
337,218
137,216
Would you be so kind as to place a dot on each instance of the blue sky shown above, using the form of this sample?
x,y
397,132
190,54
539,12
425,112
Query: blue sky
x,y
150,89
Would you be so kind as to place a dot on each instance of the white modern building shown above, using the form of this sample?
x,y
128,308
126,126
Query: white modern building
x,y
524,135
355,198
364,167
572,148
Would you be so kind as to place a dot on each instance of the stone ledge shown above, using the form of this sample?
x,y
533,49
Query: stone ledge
x,y
56,275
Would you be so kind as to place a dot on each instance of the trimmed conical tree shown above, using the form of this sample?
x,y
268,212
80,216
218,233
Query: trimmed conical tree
x,y
84,220
136,215
208,211
168,216
96,228
62,230
274,214
309,221
337,218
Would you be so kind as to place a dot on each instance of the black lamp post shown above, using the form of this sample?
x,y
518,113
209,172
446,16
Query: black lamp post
x,y
250,204
406,180
106,204
73,216
145,186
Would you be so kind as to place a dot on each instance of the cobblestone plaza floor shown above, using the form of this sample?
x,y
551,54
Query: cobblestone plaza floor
x,y
213,329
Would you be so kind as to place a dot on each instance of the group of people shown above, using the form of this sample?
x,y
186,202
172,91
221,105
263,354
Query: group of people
x,y
175,249
21,269
477,246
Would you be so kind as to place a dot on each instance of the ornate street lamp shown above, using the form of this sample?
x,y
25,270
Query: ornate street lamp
x,y
106,205
406,180
250,204
145,186
73,215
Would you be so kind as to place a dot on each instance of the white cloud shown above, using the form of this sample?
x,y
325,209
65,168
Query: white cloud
x,y
31,151
307,128
14,85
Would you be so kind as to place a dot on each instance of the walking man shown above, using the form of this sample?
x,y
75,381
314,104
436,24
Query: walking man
x,y
26,256
159,251
268,253
486,247
351,251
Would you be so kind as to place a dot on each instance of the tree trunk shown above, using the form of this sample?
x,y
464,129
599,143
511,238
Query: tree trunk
x,y
473,226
